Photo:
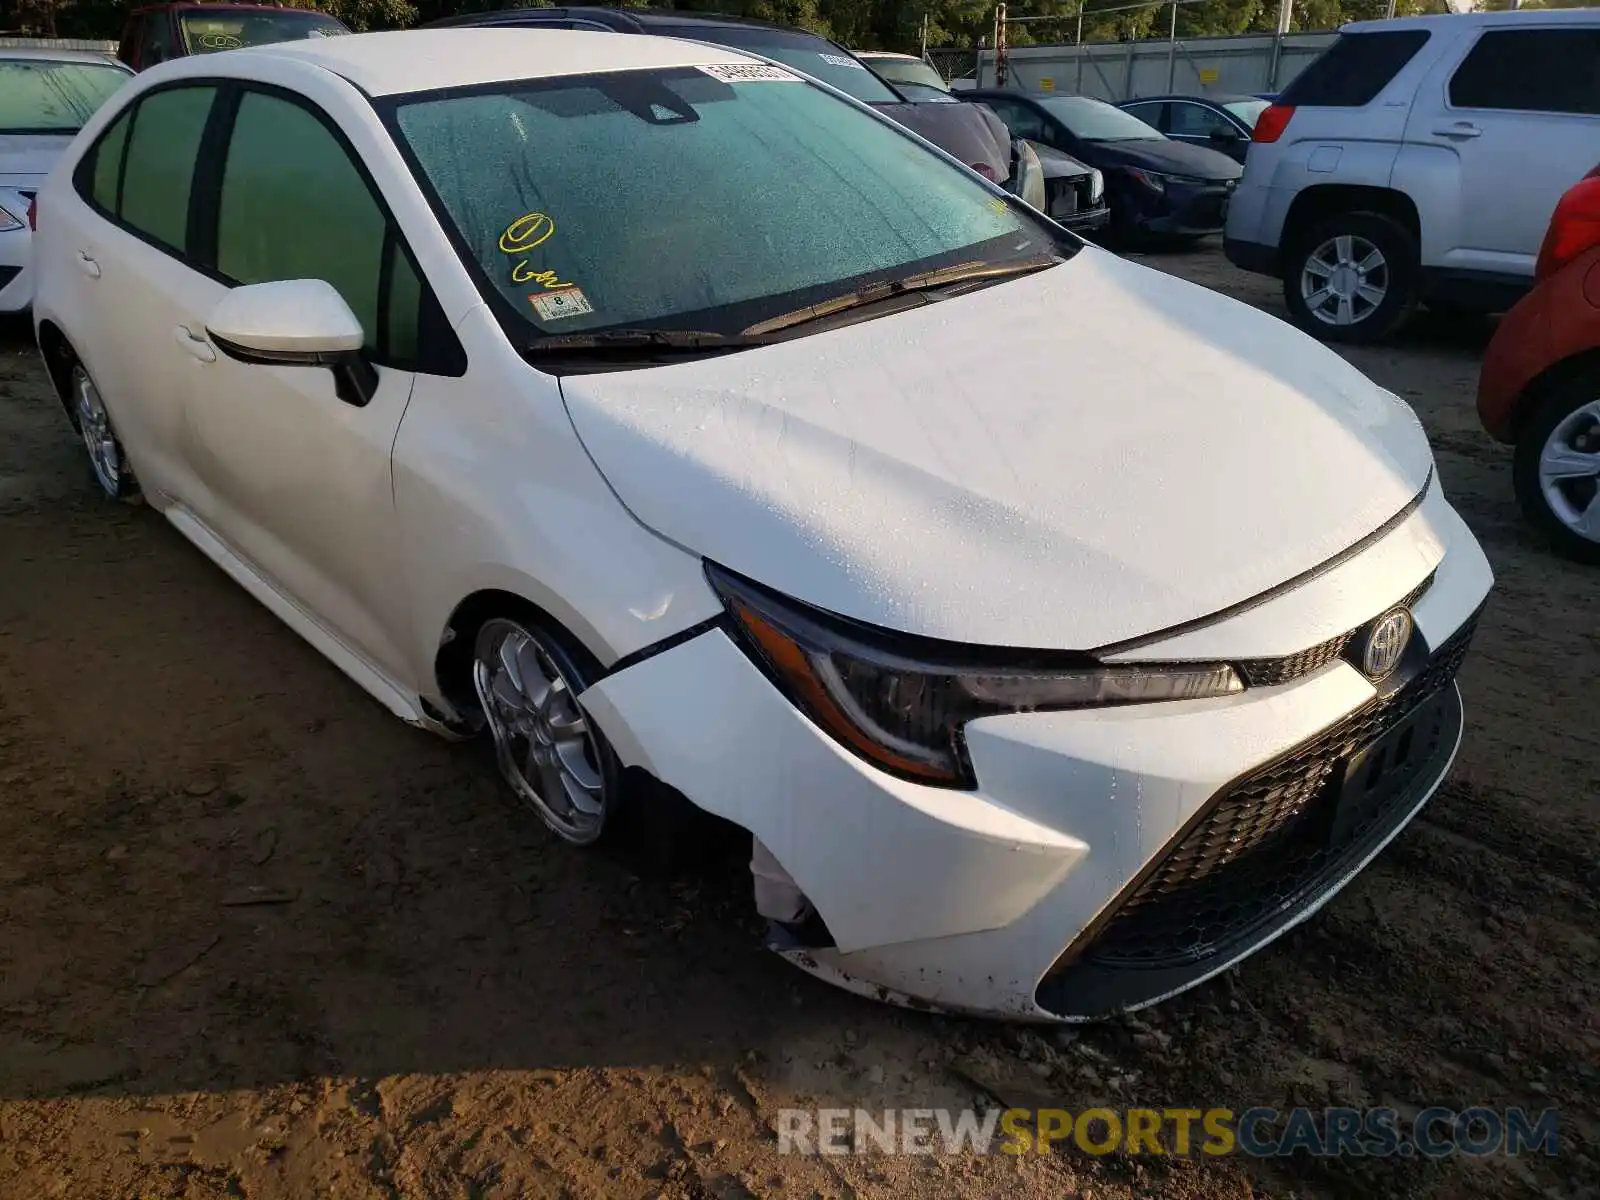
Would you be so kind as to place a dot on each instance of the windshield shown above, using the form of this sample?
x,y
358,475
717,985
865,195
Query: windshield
x,y
1097,121
40,95
908,70
698,197
816,56
1247,110
212,29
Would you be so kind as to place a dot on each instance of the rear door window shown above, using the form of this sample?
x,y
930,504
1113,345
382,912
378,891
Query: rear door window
x,y
1194,120
1352,71
1152,113
163,148
1531,70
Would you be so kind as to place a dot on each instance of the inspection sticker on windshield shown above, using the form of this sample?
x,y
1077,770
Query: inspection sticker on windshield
x,y
749,73
568,302
840,60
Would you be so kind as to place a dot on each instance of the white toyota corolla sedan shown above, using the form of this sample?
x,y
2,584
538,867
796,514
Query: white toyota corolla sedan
x,y
1061,632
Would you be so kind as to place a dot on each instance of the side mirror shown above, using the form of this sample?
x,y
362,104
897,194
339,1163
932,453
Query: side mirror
x,y
296,323
1226,134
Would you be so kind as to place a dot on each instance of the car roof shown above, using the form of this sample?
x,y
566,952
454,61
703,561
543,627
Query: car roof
x,y
1021,95
1533,16
46,54
886,54
632,18
1214,98
424,60
224,5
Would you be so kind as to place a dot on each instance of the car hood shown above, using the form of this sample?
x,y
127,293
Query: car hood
x,y
969,132
25,159
1084,455
1057,165
1177,158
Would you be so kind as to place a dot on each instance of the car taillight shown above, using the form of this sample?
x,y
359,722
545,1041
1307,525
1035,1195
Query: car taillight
x,y
1274,119
1574,228
33,213
986,171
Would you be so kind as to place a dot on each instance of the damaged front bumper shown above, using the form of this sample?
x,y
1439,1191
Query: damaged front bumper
x,y
1062,888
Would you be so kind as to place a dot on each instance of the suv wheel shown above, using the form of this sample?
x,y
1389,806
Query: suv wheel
x,y
1557,468
1351,277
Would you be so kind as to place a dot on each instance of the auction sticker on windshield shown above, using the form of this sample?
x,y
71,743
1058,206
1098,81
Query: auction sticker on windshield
x,y
569,302
840,60
749,73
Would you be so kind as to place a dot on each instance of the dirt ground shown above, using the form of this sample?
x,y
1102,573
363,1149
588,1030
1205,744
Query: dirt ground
x,y
257,938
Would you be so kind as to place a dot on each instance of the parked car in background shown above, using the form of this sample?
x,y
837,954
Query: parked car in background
x,y
1418,161
1539,388
969,133
910,76
46,96
1154,185
1222,123
156,33
1037,700
1074,193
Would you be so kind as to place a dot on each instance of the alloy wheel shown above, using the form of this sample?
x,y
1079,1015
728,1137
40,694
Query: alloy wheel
x,y
105,455
1344,280
545,747
1569,471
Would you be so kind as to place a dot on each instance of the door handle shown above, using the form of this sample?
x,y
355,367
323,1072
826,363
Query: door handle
x,y
87,264
1461,129
198,347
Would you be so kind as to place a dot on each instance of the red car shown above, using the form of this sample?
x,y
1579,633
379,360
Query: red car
x,y
1539,388
165,31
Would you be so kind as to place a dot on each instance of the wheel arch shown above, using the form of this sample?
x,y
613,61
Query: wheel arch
x,y
452,661
1323,200
1557,375
58,355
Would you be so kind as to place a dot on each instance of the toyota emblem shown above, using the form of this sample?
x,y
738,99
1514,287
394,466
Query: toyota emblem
x,y
1390,635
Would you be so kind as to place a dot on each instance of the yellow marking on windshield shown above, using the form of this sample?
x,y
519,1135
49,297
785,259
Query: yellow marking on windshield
x,y
526,232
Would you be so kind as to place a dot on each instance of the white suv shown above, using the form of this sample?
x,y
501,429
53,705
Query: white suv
x,y
1418,160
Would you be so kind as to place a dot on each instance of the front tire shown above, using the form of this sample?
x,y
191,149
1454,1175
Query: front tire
x,y
554,759
108,461
1556,471
1352,278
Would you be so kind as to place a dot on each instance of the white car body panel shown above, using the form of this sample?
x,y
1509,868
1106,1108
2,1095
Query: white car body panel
x,y
493,491
1201,482
1131,502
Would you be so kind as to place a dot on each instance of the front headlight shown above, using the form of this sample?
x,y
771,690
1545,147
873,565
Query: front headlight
x,y
10,221
902,702
1097,185
1030,176
1153,180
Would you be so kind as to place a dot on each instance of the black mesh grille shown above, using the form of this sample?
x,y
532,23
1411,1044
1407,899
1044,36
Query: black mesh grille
x,y
1269,840
7,274
1268,672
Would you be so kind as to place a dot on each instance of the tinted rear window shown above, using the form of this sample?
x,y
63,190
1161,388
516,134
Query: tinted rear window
x,y
1531,70
1353,70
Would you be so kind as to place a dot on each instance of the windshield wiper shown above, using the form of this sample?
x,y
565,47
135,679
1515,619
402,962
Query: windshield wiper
x,y
645,341
926,281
